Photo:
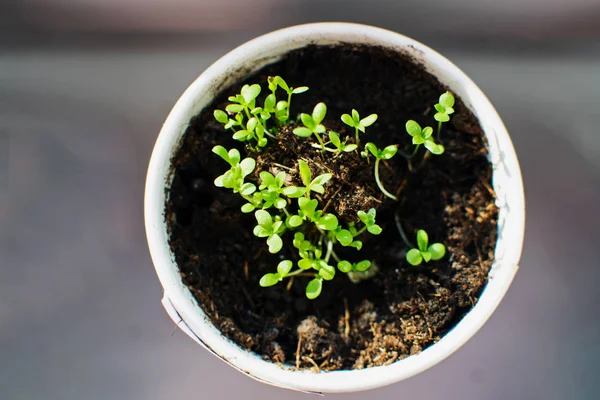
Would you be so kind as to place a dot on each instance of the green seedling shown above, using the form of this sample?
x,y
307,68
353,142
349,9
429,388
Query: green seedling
x,y
310,185
340,146
282,107
312,124
269,227
283,271
425,252
368,218
346,237
423,136
234,177
357,123
383,154
308,212
444,108
346,266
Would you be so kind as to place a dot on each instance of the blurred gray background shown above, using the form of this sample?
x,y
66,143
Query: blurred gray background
x,y
84,88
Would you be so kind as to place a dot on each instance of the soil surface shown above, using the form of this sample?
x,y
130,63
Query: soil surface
x,y
402,309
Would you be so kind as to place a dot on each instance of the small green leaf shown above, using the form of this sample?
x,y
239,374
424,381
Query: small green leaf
x,y
413,128
335,139
344,237
422,240
234,108
440,108
414,257
282,83
247,165
308,206
317,188
269,280
275,243
305,264
280,203
364,217
295,221
368,121
259,231
284,268
347,119
441,117
374,229
355,117
326,271
302,132
308,121
263,218
372,148
219,181
357,244
305,173
389,152
363,265
280,179
234,156
221,116
300,89
447,100
247,189
350,147
298,239
313,289
437,251
270,102
436,149
221,152
344,266
251,124
282,105
426,256
250,92
319,113
262,142
427,132
418,140
241,135
248,208
267,179
293,192
327,222
321,179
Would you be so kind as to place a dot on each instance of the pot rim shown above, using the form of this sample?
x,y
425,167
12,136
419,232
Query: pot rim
x,y
244,60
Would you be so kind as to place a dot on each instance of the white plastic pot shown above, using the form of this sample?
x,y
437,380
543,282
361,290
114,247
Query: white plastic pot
x,y
243,61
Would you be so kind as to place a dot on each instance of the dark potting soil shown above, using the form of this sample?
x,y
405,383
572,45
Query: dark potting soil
x,y
402,309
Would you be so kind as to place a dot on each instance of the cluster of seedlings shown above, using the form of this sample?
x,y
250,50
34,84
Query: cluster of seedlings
x,y
291,212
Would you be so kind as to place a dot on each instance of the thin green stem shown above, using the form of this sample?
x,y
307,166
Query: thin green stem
x,y
410,156
300,272
286,212
335,256
329,250
364,228
269,135
439,130
401,231
316,146
357,139
289,105
320,140
388,194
